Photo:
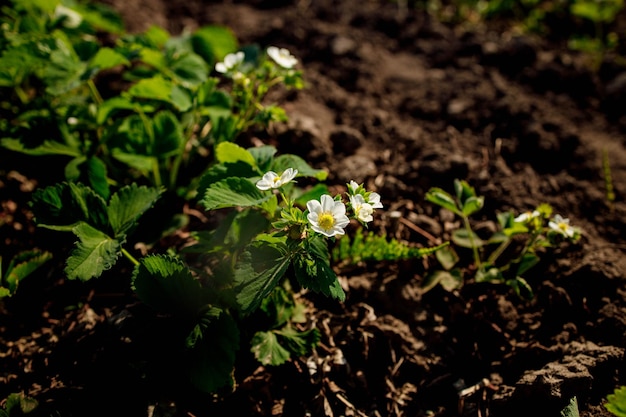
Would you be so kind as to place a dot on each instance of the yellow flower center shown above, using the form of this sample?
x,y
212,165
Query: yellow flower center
x,y
562,226
276,179
326,220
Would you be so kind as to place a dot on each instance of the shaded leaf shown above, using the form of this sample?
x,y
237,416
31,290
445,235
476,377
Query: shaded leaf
x,y
95,253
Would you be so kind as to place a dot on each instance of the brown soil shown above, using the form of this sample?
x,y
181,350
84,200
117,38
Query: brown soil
x,y
402,103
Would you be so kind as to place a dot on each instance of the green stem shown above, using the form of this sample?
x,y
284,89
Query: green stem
x,y
130,257
94,92
470,234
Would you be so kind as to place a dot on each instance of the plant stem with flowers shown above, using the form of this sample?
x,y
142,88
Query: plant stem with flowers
x,y
538,228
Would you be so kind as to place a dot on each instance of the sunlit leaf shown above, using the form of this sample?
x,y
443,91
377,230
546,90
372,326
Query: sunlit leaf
x,y
95,253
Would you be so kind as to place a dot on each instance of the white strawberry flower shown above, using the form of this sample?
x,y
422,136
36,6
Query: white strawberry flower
x,y
327,216
282,57
231,62
374,200
273,180
561,225
362,210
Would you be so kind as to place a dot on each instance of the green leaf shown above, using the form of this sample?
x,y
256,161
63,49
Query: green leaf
x,y
313,193
263,156
447,257
107,58
155,88
443,199
210,362
128,204
49,147
616,402
213,42
95,253
466,239
283,162
232,192
449,280
181,99
228,152
168,134
571,410
166,284
143,163
113,105
222,171
64,205
190,69
297,342
24,264
472,204
312,269
528,261
267,350
258,270
521,288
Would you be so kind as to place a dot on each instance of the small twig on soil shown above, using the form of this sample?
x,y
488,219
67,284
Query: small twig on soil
x,y
418,229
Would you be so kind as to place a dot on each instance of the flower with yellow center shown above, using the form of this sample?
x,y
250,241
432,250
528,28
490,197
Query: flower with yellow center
x,y
273,180
562,226
327,216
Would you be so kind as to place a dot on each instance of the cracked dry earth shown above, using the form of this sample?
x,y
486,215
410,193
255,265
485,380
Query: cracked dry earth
x,y
401,102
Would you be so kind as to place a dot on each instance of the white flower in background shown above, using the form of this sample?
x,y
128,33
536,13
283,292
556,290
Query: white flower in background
x,y
71,18
282,57
562,226
527,216
231,61
374,200
362,210
273,180
327,216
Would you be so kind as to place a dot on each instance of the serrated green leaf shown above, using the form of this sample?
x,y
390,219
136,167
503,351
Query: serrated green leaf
x,y
64,205
571,410
267,350
258,270
228,152
166,284
222,171
616,402
128,204
210,362
299,342
94,253
312,269
232,192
